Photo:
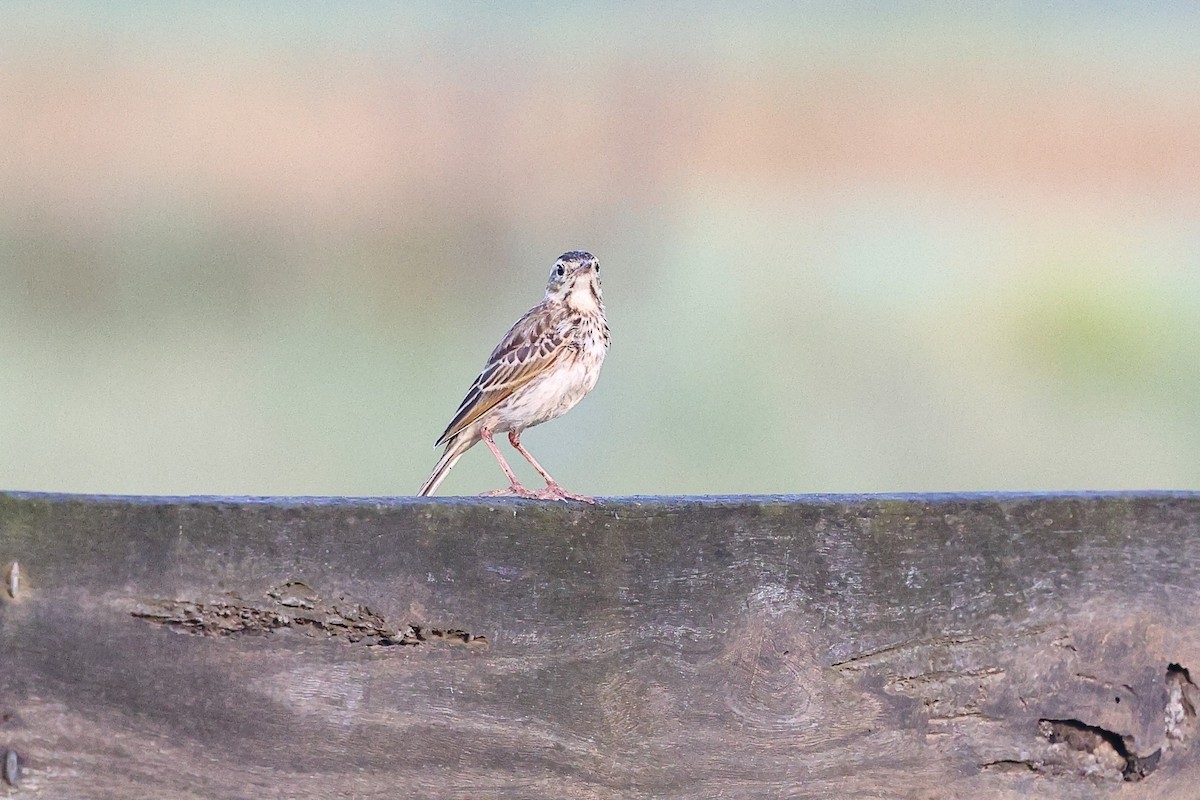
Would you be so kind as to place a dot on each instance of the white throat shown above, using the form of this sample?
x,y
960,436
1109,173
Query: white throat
x,y
582,299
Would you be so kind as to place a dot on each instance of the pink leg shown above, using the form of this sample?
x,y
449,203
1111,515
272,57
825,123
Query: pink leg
x,y
515,487
553,490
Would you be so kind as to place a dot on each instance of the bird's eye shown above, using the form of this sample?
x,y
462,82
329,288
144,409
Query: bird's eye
x,y
560,270
597,268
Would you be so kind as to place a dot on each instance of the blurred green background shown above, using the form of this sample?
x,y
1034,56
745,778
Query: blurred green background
x,y
265,248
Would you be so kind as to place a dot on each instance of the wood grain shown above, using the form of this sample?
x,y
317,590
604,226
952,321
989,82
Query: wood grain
x,y
782,647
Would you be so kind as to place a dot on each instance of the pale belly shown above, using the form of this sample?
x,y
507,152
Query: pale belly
x,y
549,396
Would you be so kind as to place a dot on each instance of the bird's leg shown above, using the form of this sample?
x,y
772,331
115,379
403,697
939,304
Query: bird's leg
x,y
515,487
553,490
514,438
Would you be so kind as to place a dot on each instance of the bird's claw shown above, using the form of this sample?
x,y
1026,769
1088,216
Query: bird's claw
x,y
556,492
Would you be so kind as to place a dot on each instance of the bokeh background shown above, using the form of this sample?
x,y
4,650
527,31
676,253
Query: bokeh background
x,y
847,246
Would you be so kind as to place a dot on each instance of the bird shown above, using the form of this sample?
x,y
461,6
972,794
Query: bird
x,y
547,362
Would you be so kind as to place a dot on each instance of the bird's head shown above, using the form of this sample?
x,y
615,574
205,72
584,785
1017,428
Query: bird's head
x,y
575,280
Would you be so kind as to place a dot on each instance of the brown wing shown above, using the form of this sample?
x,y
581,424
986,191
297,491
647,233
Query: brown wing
x,y
530,347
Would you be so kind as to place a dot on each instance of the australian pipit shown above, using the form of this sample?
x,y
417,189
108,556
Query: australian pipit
x,y
546,363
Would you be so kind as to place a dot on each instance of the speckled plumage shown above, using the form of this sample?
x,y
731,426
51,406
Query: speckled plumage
x,y
547,362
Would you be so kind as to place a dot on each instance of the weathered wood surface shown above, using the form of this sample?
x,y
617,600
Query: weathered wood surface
x,y
806,647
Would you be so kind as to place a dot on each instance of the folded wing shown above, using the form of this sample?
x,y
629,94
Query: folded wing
x,y
530,348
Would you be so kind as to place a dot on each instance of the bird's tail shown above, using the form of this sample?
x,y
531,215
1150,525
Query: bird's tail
x,y
454,450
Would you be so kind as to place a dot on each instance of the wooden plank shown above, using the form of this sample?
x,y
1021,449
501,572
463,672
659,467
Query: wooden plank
x,y
799,647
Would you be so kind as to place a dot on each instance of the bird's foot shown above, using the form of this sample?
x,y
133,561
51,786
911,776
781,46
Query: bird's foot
x,y
555,492
515,490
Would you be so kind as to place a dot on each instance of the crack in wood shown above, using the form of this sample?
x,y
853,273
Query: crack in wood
x,y
1083,750
1093,750
1074,748
293,606
1123,687
1013,765
890,652
864,660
